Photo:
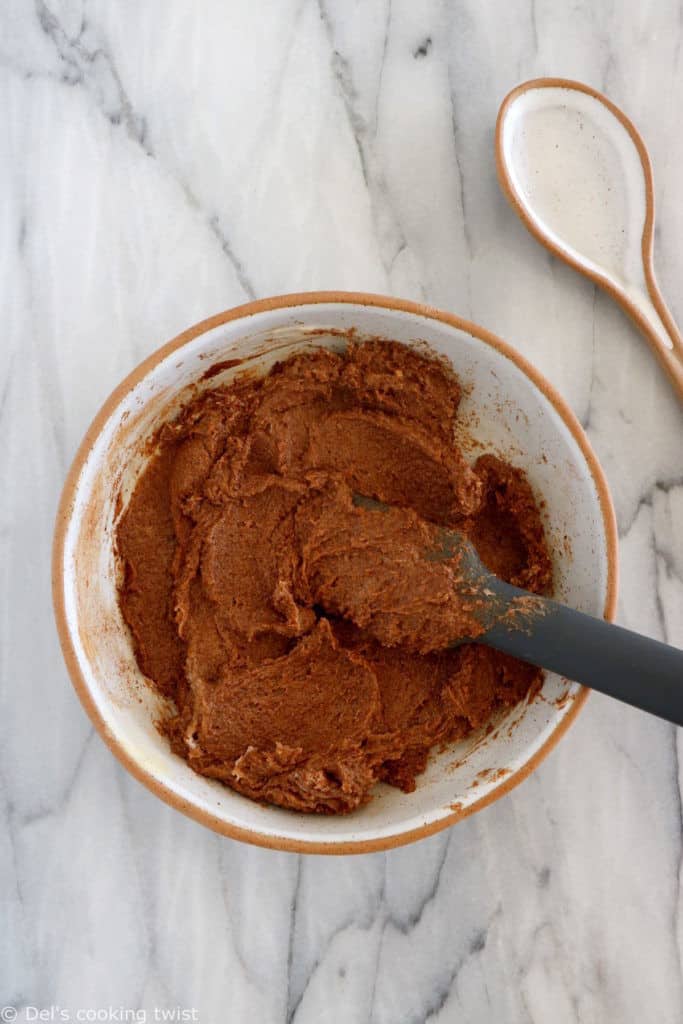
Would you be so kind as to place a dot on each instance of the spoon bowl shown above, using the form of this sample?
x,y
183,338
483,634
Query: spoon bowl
x,y
577,172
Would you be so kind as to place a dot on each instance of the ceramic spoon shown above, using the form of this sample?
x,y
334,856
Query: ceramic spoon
x,y
577,172
622,664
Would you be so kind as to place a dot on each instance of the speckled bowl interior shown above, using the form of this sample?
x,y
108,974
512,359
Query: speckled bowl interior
x,y
507,408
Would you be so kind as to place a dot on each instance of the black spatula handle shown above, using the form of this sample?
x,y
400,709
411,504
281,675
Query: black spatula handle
x,y
615,661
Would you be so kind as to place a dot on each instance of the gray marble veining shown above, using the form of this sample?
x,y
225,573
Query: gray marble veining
x,y
160,161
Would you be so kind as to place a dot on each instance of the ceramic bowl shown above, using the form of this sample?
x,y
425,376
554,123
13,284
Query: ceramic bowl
x,y
508,407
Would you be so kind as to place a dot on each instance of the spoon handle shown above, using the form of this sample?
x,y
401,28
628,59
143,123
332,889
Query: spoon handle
x,y
660,331
622,664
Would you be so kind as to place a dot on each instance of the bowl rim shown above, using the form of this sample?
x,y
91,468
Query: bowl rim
x,y
65,509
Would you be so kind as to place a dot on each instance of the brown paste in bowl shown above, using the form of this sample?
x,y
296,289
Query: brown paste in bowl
x,y
301,638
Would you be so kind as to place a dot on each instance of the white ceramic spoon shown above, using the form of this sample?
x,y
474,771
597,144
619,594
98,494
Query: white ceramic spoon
x,y
577,172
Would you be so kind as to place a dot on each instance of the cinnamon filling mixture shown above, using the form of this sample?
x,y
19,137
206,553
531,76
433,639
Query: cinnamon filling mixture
x,y
302,638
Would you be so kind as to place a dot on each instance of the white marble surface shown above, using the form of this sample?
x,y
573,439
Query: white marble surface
x,y
160,161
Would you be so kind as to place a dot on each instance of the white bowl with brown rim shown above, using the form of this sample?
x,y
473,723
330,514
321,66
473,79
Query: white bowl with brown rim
x,y
508,408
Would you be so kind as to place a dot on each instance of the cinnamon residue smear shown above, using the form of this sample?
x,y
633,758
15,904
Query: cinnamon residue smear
x,y
302,639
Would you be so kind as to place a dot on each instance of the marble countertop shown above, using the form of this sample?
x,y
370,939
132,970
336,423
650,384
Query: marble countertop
x,y
161,161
